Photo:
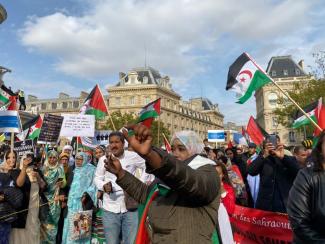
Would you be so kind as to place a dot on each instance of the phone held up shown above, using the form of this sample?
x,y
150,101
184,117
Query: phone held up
x,y
273,139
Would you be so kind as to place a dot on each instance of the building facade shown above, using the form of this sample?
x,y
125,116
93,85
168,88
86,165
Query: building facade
x,y
285,72
133,91
142,85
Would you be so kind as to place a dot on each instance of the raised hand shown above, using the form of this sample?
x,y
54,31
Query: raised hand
x,y
141,139
279,151
113,165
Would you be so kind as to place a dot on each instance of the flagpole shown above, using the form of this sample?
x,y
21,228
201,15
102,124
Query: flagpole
x,y
159,131
165,138
12,142
109,114
285,93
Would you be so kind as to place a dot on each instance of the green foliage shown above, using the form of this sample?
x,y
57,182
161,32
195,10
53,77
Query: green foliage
x,y
304,93
121,120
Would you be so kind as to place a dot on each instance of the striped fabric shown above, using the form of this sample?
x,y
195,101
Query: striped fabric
x,y
9,121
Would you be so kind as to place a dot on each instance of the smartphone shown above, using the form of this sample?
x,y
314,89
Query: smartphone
x,y
272,139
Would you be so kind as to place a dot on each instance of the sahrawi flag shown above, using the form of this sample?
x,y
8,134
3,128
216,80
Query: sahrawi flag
x,y
149,112
95,104
245,77
300,119
31,129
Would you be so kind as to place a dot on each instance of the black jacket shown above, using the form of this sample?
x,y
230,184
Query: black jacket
x,y
306,207
276,179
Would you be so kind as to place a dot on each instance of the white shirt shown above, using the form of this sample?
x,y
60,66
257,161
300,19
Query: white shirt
x,y
131,162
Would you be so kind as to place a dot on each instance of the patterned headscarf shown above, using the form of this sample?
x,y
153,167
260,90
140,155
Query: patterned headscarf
x,y
190,140
52,153
84,159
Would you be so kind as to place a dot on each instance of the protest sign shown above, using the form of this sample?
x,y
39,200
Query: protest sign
x,y
257,226
216,135
23,147
78,125
50,130
101,137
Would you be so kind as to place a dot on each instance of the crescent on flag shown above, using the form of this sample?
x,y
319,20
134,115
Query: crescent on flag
x,y
247,72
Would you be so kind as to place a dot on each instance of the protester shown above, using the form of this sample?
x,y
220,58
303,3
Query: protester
x,y
300,153
277,172
236,160
55,179
26,229
82,195
186,211
213,154
64,192
69,150
11,198
228,197
99,152
120,213
306,200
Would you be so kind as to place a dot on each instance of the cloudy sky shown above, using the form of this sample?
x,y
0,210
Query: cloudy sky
x,y
70,45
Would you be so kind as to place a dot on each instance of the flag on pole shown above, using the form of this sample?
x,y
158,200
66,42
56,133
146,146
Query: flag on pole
x,y
245,77
95,104
4,97
31,129
9,121
5,107
254,131
300,119
320,117
167,145
149,112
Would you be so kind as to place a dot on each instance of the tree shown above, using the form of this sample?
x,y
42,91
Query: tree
x,y
121,120
303,93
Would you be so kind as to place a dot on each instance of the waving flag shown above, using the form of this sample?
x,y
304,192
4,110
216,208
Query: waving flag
x,y
95,104
149,112
245,77
300,119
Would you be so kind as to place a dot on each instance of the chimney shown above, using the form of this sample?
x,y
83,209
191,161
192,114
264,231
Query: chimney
x,y
301,64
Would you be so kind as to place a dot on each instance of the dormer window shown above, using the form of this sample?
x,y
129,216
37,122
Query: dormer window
x,y
285,72
297,71
273,73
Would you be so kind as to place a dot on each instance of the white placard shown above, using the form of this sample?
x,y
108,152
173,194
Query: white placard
x,y
216,135
78,125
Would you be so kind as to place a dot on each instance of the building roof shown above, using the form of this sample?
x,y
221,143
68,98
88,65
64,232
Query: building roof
x,y
284,66
149,72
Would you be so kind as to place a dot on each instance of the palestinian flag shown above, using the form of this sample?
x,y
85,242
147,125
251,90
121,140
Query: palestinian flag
x,y
320,117
95,104
300,119
254,131
149,112
167,145
245,77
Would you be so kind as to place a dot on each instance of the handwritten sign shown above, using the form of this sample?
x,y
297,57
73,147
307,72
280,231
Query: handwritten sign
x,y
78,125
50,130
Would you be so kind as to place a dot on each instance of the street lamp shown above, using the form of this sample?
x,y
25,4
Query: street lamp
x,y
3,14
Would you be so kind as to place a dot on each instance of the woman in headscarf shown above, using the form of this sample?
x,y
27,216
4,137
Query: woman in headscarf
x,y
69,150
99,152
55,179
82,195
11,198
184,211
26,229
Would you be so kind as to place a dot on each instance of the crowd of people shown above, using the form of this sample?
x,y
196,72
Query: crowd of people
x,y
132,192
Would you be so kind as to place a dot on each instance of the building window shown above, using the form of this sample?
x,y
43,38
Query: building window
x,y
273,98
117,101
273,73
274,122
64,105
75,104
297,71
285,72
292,136
54,105
132,100
43,106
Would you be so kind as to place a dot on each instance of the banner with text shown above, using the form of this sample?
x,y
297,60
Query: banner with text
x,y
78,125
50,130
23,147
251,226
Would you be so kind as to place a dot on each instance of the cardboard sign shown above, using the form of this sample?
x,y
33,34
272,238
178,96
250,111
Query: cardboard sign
x,y
251,226
50,130
23,147
78,125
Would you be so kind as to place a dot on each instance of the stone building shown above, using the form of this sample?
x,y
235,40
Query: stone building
x,y
134,90
142,85
285,72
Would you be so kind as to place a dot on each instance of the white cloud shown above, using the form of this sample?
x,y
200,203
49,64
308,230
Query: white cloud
x,y
112,35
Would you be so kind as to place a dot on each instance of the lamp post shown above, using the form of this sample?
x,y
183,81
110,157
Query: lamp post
x,y
3,14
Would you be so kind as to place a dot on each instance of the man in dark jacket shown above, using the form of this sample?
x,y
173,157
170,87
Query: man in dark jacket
x,y
277,173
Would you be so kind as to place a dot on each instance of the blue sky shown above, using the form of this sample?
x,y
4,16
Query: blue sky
x,y
70,45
